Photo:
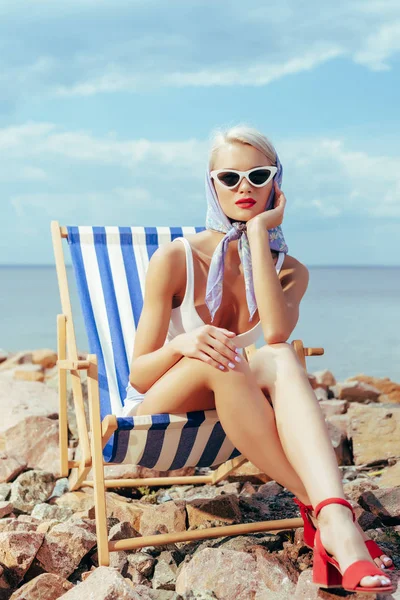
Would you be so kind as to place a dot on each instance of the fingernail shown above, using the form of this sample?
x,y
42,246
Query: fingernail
x,y
237,349
221,367
238,359
231,365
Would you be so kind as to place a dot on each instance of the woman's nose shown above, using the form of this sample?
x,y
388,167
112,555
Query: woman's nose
x,y
244,184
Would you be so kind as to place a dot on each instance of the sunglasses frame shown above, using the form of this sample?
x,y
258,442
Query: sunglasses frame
x,y
214,175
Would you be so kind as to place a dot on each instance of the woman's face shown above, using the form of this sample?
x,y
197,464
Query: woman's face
x,y
241,157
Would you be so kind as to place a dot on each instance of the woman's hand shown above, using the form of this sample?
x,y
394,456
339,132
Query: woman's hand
x,y
210,344
273,217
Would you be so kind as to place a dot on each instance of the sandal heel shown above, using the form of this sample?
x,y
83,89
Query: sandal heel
x,y
324,573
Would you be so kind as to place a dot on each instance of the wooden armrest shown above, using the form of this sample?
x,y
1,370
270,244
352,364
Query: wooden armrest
x,y
313,351
74,365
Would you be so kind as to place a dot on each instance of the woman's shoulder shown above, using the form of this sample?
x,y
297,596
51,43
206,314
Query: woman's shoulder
x,y
293,269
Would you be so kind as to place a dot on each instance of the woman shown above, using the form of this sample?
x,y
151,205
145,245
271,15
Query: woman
x,y
199,295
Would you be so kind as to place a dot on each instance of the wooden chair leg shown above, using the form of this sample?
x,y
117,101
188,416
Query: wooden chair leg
x,y
62,395
98,463
78,476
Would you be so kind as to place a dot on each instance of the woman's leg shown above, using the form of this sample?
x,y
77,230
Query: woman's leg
x,y
246,416
248,421
261,366
305,440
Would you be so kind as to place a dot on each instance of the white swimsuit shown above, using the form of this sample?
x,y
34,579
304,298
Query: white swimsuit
x,y
185,318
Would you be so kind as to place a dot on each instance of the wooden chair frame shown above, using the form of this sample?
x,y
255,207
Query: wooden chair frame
x,y
92,444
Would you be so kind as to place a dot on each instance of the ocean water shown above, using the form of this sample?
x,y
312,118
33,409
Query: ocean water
x,y
352,312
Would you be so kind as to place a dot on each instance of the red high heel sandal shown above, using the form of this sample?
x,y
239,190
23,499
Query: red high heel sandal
x,y
326,570
309,533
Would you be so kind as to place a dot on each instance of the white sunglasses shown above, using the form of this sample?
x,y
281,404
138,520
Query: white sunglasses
x,y
230,178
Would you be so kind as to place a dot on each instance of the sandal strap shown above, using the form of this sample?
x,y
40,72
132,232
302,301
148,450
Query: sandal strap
x,y
302,505
334,501
355,572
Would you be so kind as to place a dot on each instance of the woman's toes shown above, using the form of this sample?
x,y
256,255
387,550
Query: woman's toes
x,y
374,580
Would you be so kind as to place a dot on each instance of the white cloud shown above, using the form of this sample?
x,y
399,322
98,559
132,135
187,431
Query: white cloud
x,y
71,170
378,48
145,45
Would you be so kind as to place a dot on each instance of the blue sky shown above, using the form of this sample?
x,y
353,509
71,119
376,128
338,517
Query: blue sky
x,y
106,111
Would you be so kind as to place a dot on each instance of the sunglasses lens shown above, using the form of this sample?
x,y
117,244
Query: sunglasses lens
x,y
228,178
259,177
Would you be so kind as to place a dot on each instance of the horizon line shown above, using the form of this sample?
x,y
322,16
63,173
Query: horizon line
x,y
334,266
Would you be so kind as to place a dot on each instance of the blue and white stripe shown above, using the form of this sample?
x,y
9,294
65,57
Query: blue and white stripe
x,y
110,265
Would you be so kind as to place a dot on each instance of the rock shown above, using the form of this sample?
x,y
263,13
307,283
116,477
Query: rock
x,y
307,590
123,509
5,509
165,572
248,472
354,489
142,562
248,489
106,584
325,377
269,490
44,587
46,512
13,524
211,491
47,359
3,355
10,467
169,517
30,488
321,394
341,422
222,510
356,391
339,442
17,551
35,441
5,490
79,502
29,373
61,487
312,381
383,503
257,575
391,476
64,547
375,432
333,407
390,391
20,399
20,358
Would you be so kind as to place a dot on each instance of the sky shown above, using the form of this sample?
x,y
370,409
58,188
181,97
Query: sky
x,y
107,109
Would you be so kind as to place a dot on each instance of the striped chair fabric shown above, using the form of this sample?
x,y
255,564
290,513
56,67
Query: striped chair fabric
x,y
110,266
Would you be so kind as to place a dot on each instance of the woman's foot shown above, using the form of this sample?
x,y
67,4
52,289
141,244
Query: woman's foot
x,y
342,539
381,562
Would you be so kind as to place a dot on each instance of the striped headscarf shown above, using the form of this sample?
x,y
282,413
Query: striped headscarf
x,y
218,221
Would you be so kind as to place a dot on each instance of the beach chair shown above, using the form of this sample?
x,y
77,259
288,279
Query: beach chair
x,y
110,264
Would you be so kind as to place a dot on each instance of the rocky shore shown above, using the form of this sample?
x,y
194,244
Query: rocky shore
x,y
47,533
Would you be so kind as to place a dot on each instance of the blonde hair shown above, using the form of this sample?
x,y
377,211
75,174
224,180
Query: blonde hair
x,y
242,134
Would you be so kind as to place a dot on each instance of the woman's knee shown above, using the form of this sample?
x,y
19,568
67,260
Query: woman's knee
x,y
273,361
210,374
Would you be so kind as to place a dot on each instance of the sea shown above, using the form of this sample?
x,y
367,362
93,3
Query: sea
x,y
351,312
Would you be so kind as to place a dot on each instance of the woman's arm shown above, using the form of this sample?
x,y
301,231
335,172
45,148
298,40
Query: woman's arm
x,y
277,301
151,359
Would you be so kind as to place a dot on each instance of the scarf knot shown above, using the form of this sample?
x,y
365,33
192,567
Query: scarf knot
x,y
218,221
